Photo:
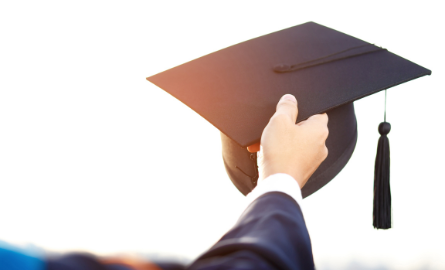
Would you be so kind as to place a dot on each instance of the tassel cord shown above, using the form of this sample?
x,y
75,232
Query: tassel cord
x,y
382,191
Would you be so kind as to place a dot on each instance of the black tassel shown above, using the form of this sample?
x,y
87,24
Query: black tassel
x,y
382,191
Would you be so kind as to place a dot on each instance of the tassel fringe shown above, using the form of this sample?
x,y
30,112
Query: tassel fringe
x,y
382,191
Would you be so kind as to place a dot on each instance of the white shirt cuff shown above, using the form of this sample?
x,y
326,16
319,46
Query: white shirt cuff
x,y
279,182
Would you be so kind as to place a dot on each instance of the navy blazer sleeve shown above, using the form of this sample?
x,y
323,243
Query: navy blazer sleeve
x,y
270,234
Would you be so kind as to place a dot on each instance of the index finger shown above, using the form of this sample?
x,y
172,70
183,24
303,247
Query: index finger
x,y
316,119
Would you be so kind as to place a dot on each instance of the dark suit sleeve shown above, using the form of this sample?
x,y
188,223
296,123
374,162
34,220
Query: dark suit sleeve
x,y
270,234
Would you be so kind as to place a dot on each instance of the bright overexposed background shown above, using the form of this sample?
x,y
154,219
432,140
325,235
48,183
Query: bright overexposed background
x,y
95,158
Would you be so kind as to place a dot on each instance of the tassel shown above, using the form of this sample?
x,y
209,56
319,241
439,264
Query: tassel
x,y
382,192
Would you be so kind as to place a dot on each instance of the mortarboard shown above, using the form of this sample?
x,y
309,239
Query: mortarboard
x,y
237,88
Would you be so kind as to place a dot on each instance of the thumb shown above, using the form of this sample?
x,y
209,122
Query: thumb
x,y
288,106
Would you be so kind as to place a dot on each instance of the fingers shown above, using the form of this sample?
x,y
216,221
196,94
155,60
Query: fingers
x,y
254,148
318,118
288,106
318,122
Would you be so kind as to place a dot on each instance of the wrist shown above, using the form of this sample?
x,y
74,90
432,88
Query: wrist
x,y
266,171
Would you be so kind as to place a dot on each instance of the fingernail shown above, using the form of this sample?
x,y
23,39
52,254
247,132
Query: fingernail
x,y
289,97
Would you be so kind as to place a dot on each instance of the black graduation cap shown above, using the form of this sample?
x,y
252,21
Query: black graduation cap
x,y
237,89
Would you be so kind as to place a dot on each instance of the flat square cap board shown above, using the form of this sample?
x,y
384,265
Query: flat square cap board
x,y
237,88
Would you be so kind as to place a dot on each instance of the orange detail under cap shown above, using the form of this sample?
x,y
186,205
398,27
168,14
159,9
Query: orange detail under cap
x,y
254,148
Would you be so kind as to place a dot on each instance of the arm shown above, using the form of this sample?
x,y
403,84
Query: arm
x,y
271,233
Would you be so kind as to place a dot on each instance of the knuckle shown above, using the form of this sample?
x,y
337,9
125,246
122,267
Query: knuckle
x,y
325,117
279,119
322,118
323,133
326,132
287,105
313,117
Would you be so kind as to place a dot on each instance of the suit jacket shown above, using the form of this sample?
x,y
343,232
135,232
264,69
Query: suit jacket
x,y
270,234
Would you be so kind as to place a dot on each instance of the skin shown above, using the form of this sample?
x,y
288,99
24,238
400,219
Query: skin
x,y
286,147
294,149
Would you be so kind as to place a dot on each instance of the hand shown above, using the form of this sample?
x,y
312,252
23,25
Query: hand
x,y
294,149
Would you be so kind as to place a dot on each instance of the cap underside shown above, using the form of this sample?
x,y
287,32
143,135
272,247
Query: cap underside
x,y
241,167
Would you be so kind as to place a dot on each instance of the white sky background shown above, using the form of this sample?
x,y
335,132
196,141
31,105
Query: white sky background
x,y
94,157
